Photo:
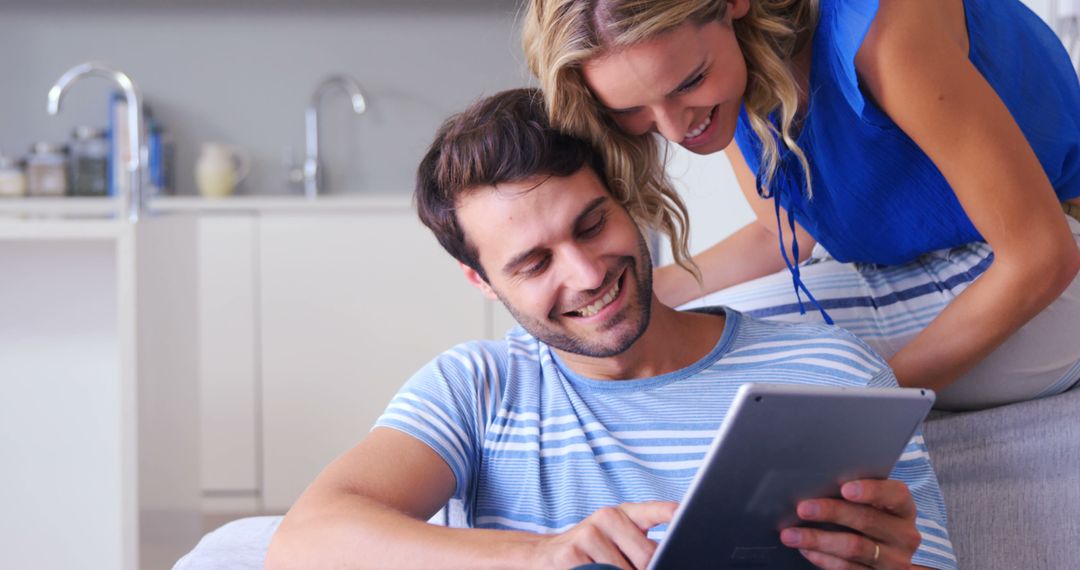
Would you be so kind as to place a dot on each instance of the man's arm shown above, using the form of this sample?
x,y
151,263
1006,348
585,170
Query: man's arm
x,y
369,508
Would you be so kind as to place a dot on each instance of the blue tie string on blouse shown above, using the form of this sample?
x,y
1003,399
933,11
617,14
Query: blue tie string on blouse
x,y
796,279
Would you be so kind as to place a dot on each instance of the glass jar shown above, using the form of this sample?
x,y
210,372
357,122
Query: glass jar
x,y
89,174
46,170
12,178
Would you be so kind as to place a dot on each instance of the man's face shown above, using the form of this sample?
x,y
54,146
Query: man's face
x,y
566,260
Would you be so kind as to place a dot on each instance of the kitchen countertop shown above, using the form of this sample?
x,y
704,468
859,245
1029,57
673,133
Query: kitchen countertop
x,y
63,229
79,208
331,203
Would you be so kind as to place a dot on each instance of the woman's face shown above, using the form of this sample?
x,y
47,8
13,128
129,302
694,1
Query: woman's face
x,y
686,84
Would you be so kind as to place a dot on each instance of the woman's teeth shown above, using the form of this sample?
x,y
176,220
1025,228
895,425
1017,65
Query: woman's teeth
x,y
604,301
696,131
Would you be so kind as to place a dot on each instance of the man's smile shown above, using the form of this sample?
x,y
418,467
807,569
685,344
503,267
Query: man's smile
x,y
600,302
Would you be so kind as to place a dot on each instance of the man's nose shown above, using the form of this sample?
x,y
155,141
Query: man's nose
x,y
585,270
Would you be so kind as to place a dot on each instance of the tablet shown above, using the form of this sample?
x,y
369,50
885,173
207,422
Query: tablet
x,y
778,445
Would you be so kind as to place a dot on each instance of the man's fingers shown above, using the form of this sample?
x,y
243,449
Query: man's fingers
x,y
893,496
628,537
860,518
649,514
599,546
829,562
833,549
882,516
617,535
570,558
611,535
884,528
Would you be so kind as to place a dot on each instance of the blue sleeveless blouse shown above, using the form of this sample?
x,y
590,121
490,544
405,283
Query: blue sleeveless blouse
x,y
877,197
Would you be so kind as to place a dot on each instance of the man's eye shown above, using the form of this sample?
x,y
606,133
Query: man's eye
x,y
692,83
535,268
594,229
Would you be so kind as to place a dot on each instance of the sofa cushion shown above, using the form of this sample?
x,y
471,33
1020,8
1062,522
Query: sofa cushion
x,y
1011,481
238,545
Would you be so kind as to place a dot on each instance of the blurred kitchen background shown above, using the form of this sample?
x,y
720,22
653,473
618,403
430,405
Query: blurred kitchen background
x,y
163,377
242,73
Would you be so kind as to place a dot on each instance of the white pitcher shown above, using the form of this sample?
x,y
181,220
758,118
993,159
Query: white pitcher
x,y
220,168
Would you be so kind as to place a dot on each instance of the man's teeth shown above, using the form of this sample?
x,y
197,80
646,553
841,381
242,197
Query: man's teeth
x,y
696,131
604,301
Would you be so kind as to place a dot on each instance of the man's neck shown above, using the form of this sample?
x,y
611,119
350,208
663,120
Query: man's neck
x,y
672,341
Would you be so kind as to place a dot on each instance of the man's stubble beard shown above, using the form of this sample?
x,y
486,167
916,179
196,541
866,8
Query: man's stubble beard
x,y
576,345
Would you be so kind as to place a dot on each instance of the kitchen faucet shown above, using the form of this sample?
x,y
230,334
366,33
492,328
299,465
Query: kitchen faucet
x,y
311,164
136,164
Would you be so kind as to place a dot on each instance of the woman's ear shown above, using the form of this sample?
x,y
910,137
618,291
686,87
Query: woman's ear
x,y
738,8
473,277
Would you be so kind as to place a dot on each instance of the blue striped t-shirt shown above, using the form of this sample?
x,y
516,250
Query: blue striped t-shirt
x,y
535,447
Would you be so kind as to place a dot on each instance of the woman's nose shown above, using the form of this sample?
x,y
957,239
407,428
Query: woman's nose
x,y
670,123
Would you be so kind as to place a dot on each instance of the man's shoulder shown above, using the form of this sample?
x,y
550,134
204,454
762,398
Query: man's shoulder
x,y
763,335
477,356
808,330
472,352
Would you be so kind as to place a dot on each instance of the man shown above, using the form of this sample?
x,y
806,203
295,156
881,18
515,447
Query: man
x,y
568,441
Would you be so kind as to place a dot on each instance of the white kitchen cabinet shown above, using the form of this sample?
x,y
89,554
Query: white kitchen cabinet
x,y
228,361
350,306
99,407
342,290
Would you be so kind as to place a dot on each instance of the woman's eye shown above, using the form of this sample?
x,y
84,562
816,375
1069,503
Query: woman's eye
x,y
692,83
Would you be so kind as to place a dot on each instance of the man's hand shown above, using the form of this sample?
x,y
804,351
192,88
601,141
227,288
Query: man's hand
x,y
882,516
612,535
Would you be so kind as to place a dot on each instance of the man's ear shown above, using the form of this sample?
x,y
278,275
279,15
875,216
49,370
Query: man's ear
x,y
477,281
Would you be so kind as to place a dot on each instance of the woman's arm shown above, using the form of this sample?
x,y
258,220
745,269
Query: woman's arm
x,y
914,63
751,252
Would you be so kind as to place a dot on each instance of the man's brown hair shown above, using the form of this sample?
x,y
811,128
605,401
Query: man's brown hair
x,y
501,139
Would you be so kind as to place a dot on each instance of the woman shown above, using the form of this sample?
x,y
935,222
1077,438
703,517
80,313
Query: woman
x,y
912,159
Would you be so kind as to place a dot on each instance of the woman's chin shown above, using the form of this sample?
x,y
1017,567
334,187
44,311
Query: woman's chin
x,y
706,148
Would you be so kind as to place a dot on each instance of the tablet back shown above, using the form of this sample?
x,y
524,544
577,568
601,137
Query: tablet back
x,y
778,445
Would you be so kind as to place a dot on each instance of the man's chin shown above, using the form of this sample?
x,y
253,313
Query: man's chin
x,y
614,338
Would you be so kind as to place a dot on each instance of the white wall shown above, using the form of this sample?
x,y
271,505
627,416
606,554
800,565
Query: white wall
x,y
707,184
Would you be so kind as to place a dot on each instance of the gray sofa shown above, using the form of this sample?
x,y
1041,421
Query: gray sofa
x,y
1010,476
1011,481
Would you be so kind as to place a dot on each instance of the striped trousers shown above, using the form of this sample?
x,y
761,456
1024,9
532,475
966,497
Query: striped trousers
x,y
886,306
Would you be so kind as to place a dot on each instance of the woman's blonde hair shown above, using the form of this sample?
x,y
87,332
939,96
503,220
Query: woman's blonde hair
x,y
559,36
